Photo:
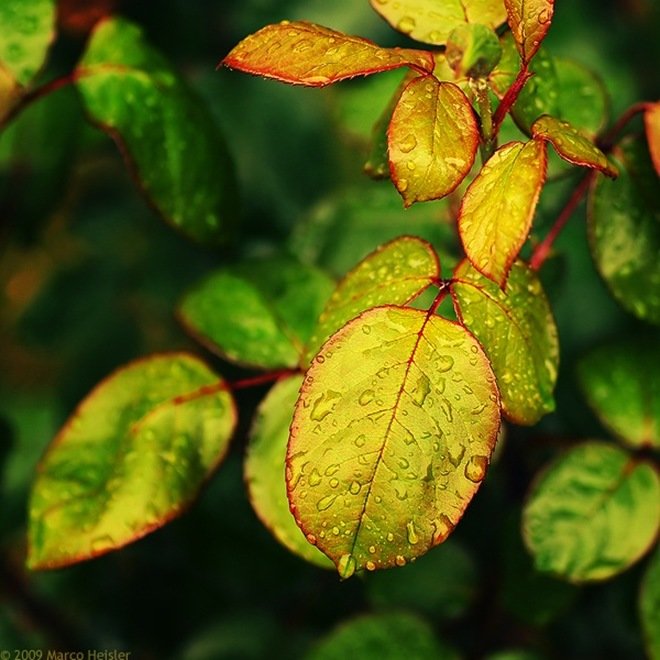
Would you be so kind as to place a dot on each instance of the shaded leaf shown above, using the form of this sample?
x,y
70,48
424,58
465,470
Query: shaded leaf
x,y
652,126
393,274
529,21
473,50
391,437
592,513
307,54
649,606
132,456
264,470
170,140
432,140
622,384
624,231
498,207
516,328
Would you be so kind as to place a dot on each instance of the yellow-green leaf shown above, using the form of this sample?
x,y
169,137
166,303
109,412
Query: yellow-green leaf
x,y
131,457
392,435
264,470
431,21
393,274
516,328
652,126
432,140
571,144
649,606
529,21
303,53
497,210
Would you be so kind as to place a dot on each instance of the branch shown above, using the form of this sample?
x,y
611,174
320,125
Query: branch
x,y
510,97
606,142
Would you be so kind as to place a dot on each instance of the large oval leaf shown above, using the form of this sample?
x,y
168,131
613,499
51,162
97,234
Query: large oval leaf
x,y
649,606
131,457
518,332
432,139
529,21
592,513
392,435
622,384
498,207
170,140
307,54
264,470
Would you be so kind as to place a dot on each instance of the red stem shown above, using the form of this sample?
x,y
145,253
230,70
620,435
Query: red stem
x,y
262,379
606,142
511,97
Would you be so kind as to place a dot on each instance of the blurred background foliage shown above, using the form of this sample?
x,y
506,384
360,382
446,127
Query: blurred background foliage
x,y
89,278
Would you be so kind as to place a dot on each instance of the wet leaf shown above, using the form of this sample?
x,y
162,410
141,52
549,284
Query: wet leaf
x,y
264,470
649,606
621,382
571,145
132,456
393,274
592,513
529,21
431,22
260,316
169,139
624,231
516,328
432,140
303,53
498,207
391,437
652,126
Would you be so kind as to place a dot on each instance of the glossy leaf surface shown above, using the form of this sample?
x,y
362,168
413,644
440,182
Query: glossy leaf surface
x,y
432,140
392,435
392,275
622,384
132,456
529,21
498,207
170,140
518,332
649,606
652,126
592,513
431,22
264,470
307,54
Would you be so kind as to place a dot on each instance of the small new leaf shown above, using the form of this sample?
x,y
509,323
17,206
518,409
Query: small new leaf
x,y
529,21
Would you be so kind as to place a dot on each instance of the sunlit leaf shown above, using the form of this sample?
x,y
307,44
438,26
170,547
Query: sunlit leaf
x,y
529,21
649,606
624,231
394,274
652,126
622,384
498,207
168,137
571,145
392,435
592,513
264,470
432,140
306,54
260,315
516,329
132,456
431,22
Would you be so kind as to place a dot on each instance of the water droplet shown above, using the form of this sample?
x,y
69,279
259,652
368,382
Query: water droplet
x,y
372,549
324,405
315,478
421,391
331,469
408,143
475,469
366,397
366,329
361,440
370,566
406,24
326,502
390,537
311,538
346,566
400,560
455,454
334,483
444,363
408,437
355,488
441,528
413,539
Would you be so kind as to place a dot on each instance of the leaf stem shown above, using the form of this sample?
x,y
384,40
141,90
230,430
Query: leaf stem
x,y
511,96
262,379
488,142
607,141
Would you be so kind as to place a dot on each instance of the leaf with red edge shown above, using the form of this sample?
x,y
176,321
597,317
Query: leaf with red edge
x,y
303,53
432,140
131,457
652,126
529,21
497,210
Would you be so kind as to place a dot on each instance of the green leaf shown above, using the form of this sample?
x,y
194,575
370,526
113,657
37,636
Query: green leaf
x,y
571,145
169,138
132,456
391,437
260,315
473,50
303,53
624,231
622,384
393,274
649,606
516,328
498,207
264,470
431,22
652,126
592,513
529,21
432,140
